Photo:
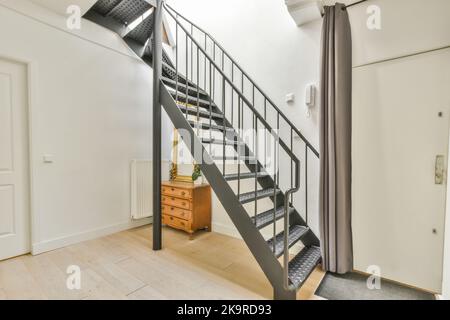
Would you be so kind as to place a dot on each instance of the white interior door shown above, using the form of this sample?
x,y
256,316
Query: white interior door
x,y
400,125
14,181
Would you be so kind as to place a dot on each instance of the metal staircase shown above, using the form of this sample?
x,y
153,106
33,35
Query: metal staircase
x,y
229,125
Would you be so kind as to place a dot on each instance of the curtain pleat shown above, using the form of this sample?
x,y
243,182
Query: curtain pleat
x,y
335,141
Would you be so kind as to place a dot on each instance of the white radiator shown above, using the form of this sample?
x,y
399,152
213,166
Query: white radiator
x,y
141,189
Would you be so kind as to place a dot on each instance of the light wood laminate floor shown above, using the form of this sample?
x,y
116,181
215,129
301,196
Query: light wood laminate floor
x,y
123,266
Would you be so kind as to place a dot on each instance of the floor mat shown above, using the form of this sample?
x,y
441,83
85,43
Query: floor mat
x,y
353,286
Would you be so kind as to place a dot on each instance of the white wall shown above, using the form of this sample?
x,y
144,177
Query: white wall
x,y
282,58
91,109
265,41
60,6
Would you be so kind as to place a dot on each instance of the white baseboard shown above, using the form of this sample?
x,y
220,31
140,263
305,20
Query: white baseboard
x,y
226,230
52,244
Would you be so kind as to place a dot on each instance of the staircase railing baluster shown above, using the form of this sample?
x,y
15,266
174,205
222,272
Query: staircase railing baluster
x,y
210,107
232,95
265,134
198,91
242,116
157,52
192,52
224,124
306,184
256,164
274,192
168,93
242,84
204,78
292,167
311,147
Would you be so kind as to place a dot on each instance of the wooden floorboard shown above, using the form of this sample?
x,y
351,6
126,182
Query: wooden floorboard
x,y
124,266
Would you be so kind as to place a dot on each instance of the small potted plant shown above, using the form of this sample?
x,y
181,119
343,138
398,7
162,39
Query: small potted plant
x,y
197,175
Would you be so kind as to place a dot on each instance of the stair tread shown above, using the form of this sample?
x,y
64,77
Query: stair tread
x,y
220,141
265,218
242,158
250,196
246,175
116,15
296,232
209,126
201,113
303,264
143,31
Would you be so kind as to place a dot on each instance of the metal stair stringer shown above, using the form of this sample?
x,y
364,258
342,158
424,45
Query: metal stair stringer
x,y
237,213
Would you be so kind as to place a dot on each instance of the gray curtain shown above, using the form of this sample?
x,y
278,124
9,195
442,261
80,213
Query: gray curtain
x,y
335,141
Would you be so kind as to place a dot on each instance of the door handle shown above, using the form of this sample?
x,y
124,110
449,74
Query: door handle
x,y
439,170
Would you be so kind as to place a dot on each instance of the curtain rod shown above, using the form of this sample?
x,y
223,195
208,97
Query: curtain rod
x,y
355,3
351,5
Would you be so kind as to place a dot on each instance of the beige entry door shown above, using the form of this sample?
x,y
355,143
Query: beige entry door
x,y
14,161
400,143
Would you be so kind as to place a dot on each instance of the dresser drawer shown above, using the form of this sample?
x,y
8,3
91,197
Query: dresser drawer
x,y
176,202
176,212
177,192
176,223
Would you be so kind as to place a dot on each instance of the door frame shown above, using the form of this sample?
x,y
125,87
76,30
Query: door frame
x,y
31,77
445,291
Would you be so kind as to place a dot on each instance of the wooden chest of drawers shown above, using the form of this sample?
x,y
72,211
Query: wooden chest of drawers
x,y
186,206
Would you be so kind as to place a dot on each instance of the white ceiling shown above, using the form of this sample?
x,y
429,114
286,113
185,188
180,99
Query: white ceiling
x,y
60,6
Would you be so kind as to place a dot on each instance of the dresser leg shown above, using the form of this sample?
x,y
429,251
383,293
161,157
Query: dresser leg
x,y
191,236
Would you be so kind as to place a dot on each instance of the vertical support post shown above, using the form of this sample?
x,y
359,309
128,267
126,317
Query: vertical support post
x,y
283,294
157,72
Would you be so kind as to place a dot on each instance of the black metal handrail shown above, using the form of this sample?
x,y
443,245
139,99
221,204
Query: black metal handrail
x,y
234,63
